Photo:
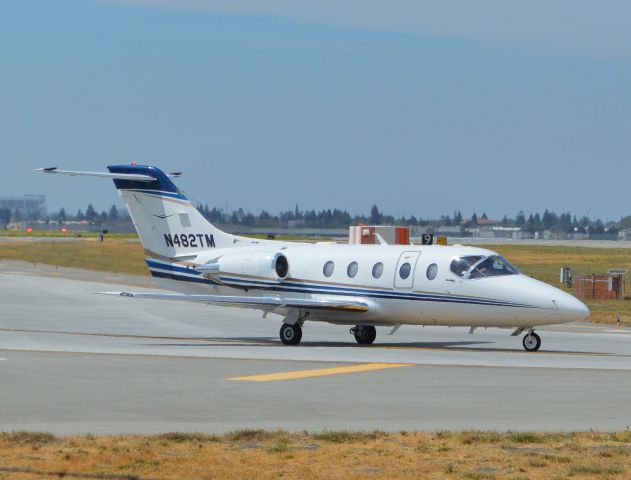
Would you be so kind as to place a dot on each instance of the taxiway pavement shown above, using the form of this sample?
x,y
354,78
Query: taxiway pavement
x,y
72,361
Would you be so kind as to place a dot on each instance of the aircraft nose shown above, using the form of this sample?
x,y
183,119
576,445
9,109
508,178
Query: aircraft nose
x,y
570,307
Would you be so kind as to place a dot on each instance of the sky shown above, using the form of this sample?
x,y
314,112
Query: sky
x,y
421,107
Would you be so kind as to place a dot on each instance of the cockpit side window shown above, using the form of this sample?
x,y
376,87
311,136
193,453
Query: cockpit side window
x,y
493,266
461,265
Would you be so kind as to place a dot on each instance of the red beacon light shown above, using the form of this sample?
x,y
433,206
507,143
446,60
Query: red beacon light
x,y
64,230
133,164
29,230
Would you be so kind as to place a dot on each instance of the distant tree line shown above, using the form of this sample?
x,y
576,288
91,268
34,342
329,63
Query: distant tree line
x,y
565,222
91,216
336,218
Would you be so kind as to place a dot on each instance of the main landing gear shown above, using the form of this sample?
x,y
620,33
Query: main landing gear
x,y
290,334
532,342
364,335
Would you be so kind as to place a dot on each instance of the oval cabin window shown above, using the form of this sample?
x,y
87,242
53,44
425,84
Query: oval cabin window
x,y
377,270
328,268
352,269
432,271
404,270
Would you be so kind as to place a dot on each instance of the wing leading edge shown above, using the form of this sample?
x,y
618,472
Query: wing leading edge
x,y
265,303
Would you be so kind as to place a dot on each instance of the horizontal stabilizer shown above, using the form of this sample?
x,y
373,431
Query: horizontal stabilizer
x,y
115,176
266,303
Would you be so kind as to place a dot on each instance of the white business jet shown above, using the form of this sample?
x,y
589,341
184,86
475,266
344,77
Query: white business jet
x,y
362,286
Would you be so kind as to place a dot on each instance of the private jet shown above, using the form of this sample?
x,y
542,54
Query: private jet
x,y
361,286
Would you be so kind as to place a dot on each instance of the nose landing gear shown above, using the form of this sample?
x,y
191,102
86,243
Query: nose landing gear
x,y
531,342
364,334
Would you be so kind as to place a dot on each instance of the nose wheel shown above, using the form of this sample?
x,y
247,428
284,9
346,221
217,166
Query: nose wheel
x,y
532,342
364,335
290,334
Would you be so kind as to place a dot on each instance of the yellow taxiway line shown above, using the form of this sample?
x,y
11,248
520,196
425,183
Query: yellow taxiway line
x,y
320,372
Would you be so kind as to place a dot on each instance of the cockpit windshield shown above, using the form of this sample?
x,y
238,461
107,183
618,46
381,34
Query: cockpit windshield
x,y
472,267
461,265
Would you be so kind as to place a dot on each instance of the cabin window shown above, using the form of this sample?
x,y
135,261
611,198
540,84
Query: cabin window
x,y
377,270
493,266
328,268
404,270
351,271
432,271
461,265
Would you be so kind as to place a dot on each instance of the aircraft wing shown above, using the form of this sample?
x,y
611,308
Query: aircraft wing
x,y
265,303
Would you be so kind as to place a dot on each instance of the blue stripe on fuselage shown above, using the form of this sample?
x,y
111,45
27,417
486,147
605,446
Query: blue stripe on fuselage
x,y
180,278
171,267
376,293
320,289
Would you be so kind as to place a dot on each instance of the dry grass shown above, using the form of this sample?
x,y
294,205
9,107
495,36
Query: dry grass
x,y
121,256
344,455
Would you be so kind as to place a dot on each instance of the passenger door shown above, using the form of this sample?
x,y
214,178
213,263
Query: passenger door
x,y
404,273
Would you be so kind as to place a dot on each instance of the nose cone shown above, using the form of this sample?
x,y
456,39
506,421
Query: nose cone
x,y
546,305
570,307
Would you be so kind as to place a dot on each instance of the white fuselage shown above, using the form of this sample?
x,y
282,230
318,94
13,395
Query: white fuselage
x,y
421,299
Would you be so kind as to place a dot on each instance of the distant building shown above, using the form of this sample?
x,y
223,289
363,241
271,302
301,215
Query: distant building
x,y
451,230
505,232
28,206
481,221
296,224
522,235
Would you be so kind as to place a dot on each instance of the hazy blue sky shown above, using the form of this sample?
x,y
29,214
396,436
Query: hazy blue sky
x,y
419,107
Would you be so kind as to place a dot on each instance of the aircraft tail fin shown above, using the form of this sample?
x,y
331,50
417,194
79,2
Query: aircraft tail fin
x,y
168,224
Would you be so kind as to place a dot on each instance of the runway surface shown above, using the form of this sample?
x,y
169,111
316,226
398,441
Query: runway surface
x,y
72,361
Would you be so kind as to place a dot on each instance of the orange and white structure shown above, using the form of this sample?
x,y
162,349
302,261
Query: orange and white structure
x,y
369,235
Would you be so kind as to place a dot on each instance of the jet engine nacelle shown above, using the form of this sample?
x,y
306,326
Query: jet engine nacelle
x,y
251,264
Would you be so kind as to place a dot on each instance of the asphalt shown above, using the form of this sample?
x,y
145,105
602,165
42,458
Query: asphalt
x,y
72,361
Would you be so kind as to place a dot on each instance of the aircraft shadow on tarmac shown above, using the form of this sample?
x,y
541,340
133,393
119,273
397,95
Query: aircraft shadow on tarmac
x,y
188,342
274,342
461,346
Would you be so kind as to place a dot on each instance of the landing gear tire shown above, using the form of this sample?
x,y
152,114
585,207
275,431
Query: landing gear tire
x,y
364,335
290,334
532,342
